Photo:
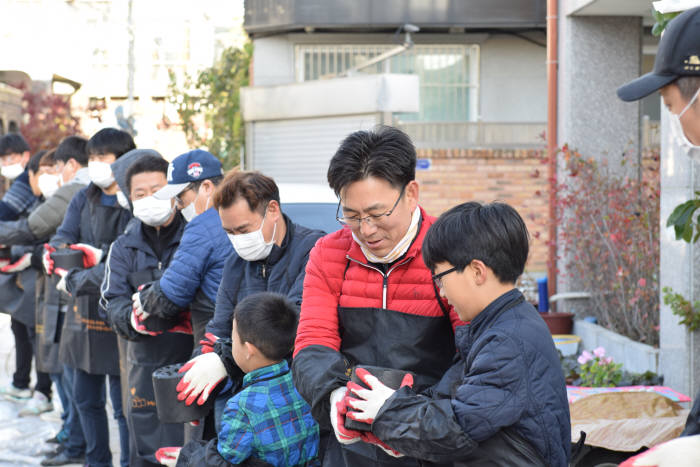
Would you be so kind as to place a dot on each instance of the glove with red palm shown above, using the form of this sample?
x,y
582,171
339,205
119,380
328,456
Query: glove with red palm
x,y
91,255
370,400
46,259
208,342
168,455
339,410
20,265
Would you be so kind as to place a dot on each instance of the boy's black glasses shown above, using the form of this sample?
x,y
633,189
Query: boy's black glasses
x,y
437,278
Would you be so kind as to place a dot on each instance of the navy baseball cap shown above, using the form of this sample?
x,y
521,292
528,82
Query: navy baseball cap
x,y
678,55
186,168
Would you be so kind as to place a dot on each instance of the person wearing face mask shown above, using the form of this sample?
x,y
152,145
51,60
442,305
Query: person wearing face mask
x,y
139,256
676,76
14,155
88,346
193,276
368,297
271,254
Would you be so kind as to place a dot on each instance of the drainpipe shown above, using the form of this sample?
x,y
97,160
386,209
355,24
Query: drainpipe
x,y
552,64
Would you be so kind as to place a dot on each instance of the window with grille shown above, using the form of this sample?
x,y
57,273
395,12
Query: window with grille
x,y
448,74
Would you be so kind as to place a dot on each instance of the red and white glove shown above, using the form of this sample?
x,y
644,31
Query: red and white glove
x,y
137,307
371,438
20,265
61,285
91,255
370,400
168,455
46,259
208,342
202,375
139,326
184,326
338,412
679,452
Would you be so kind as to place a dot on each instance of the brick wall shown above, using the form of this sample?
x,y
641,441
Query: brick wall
x,y
517,177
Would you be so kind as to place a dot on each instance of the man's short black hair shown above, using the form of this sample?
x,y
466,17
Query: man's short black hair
x,y
13,143
269,322
110,141
492,233
215,180
384,152
33,164
72,147
144,164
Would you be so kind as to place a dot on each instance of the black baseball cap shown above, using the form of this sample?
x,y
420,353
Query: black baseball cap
x,y
678,55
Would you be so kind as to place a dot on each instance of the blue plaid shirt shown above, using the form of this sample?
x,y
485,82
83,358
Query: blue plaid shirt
x,y
269,420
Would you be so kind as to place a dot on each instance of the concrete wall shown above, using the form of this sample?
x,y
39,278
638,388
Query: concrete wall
x,y
513,80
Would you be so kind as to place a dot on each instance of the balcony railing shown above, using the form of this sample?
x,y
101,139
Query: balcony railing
x,y
493,135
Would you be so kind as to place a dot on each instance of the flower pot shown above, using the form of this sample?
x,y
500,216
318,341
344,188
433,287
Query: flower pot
x,y
559,323
567,344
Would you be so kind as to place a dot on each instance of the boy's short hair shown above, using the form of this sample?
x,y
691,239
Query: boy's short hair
x,y
257,189
33,163
269,322
48,160
110,141
72,147
13,143
144,164
384,152
492,233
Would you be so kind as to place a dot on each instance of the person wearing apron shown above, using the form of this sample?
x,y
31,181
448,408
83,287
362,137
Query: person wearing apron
x,y
137,257
88,346
368,297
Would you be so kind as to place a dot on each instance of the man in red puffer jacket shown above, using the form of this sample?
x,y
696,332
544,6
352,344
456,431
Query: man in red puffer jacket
x,y
368,297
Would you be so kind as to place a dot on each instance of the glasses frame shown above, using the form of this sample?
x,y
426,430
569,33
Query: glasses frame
x,y
437,278
373,218
178,200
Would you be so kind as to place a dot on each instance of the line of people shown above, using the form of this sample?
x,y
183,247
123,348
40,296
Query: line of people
x,y
182,264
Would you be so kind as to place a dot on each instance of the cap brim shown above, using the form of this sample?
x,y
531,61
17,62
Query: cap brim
x,y
643,86
170,191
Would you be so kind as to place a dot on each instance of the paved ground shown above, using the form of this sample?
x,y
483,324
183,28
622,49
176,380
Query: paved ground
x,y
22,438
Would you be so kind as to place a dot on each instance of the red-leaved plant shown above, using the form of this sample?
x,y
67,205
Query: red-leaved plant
x,y
608,226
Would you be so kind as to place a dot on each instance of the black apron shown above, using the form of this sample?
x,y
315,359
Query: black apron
x,y
87,342
391,339
18,294
49,321
143,356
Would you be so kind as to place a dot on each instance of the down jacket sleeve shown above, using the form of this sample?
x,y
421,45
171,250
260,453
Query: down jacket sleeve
x,y
16,233
318,366
47,217
116,293
489,397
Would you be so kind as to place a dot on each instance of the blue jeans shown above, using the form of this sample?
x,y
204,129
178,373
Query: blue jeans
x,y
115,395
75,441
90,398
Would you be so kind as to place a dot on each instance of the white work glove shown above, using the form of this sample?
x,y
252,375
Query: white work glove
x,y
61,286
679,452
137,307
202,375
91,255
372,399
46,260
168,455
338,410
20,265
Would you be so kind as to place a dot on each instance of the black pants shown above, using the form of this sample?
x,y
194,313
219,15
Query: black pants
x,y
24,351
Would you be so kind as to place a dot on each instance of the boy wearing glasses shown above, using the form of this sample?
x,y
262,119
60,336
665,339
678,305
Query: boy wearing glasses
x,y
368,297
504,401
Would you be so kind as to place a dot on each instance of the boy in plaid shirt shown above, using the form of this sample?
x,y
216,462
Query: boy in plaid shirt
x,y
267,420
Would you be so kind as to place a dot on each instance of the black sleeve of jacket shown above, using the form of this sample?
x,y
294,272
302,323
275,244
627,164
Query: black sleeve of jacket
x,y
85,281
420,427
206,454
119,317
318,370
222,348
16,233
154,302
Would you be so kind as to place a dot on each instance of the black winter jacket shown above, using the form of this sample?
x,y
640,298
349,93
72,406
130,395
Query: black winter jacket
x,y
503,402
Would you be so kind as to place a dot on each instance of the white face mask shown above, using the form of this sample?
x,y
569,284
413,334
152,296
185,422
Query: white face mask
x,y
252,246
122,200
48,184
12,171
152,211
100,173
692,150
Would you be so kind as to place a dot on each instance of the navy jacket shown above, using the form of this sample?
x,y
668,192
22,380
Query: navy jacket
x,y
502,403
130,263
17,199
282,272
